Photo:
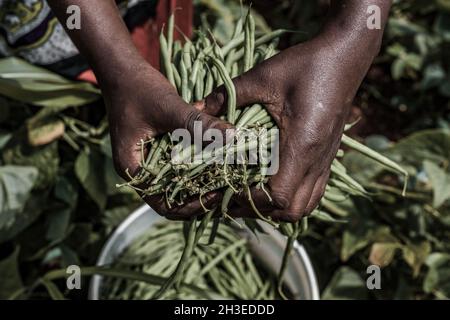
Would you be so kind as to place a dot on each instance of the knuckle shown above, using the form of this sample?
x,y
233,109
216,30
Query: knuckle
x,y
215,101
311,141
190,118
281,199
309,210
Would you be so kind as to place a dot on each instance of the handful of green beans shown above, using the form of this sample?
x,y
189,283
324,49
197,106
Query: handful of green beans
x,y
195,69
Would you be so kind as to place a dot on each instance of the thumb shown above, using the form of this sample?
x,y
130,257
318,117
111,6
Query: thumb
x,y
249,90
126,152
194,120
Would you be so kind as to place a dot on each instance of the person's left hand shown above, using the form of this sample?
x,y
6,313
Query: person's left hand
x,y
308,90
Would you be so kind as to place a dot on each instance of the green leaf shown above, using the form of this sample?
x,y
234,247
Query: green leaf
x,y
398,69
438,275
433,145
361,168
440,181
66,191
433,76
27,83
52,290
360,236
442,26
11,280
89,168
346,284
415,255
444,4
382,254
44,158
16,184
352,243
44,131
58,222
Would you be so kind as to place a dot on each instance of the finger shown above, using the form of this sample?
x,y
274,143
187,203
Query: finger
x,y
192,207
318,192
298,204
250,89
261,199
242,212
127,153
197,122
281,190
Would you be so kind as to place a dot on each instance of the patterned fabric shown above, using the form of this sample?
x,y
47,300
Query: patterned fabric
x,y
29,29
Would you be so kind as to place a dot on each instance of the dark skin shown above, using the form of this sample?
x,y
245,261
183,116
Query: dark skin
x,y
308,90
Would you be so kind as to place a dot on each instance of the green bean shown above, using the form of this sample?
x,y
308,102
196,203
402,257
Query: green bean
x,y
255,209
238,113
377,157
226,200
176,276
209,85
263,292
214,230
240,268
236,40
170,30
270,36
164,143
185,92
167,167
262,40
177,78
249,46
153,148
258,117
216,76
221,256
232,44
214,279
247,115
235,70
203,225
230,61
200,85
229,86
335,197
287,252
198,63
240,281
252,270
347,179
187,55
346,188
166,59
271,50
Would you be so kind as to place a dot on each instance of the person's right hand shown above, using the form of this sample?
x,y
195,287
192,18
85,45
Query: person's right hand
x,y
145,105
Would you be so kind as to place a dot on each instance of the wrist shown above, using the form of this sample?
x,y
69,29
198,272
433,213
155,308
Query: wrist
x,y
350,25
117,72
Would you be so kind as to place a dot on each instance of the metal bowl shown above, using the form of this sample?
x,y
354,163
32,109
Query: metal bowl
x,y
267,248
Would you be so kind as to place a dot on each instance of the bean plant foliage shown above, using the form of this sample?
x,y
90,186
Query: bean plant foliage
x,y
59,203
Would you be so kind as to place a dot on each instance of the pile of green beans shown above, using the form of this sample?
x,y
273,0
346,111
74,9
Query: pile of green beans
x,y
195,68
225,269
